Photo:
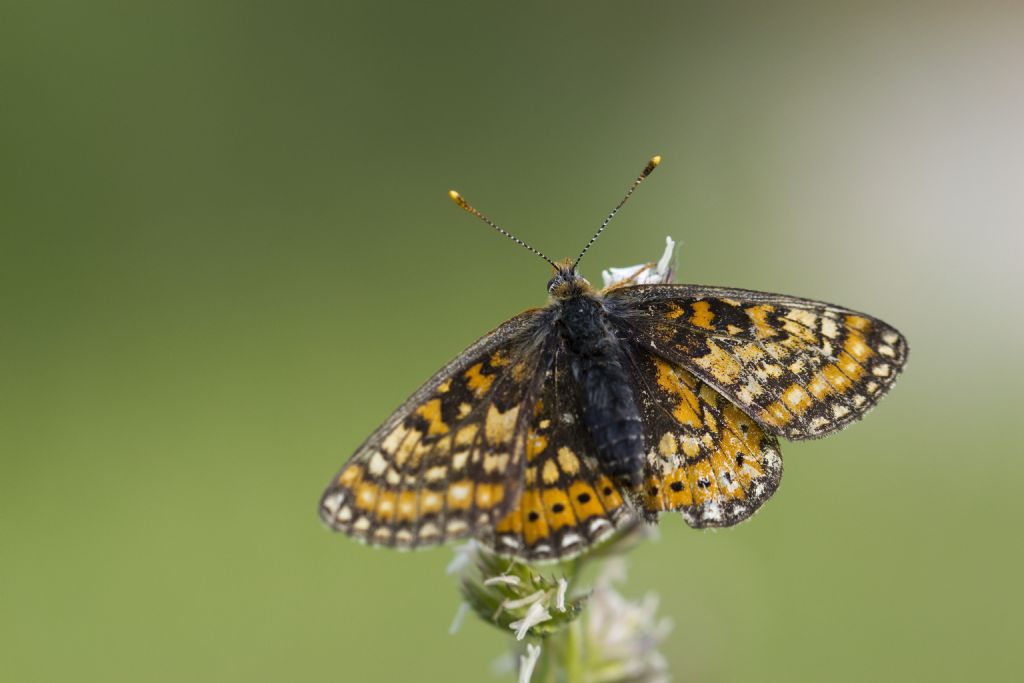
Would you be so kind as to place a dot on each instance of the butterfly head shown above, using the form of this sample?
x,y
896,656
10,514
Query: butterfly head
x,y
566,282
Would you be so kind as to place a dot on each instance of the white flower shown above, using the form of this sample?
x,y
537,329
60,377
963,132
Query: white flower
x,y
464,555
460,615
623,634
523,602
563,586
644,273
506,580
536,614
528,661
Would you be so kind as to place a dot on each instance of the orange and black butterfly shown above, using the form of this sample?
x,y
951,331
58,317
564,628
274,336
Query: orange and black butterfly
x,y
571,420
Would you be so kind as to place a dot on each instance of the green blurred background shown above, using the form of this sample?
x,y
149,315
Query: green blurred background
x,y
228,254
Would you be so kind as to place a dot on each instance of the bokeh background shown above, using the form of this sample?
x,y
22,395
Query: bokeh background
x,y
228,253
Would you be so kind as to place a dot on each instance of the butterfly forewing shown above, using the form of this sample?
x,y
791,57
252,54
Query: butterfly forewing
x,y
449,461
800,368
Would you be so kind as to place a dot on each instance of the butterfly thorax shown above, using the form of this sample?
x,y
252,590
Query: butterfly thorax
x,y
597,360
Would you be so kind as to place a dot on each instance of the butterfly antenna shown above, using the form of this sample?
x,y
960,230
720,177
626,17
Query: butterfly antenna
x,y
648,169
457,198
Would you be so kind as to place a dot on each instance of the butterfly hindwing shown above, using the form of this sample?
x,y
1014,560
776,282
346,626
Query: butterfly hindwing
x,y
448,462
568,503
705,457
800,368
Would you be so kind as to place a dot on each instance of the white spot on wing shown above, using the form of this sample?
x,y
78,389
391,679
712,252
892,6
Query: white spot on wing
x,y
829,328
570,539
333,501
377,464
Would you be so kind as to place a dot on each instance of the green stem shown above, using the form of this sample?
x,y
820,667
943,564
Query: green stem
x,y
546,671
574,652
550,670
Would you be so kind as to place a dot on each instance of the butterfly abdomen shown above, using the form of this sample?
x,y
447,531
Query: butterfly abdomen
x,y
606,398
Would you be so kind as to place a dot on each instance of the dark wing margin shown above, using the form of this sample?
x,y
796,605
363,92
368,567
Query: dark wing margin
x,y
449,461
800,368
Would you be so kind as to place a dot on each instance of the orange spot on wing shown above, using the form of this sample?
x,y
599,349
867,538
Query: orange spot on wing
x,y
512,524
431,502
386,508
589,506
431,412
796,399
460,495
489,495
849,365
720,363
465,435
478,382
558,509
759,315
535,529
677,499
858,323
819,386
702,315
836,378
652,494
698,472
685,410
722,463
800,332
609,494
776,414
366,495
535,445
406,506
350,475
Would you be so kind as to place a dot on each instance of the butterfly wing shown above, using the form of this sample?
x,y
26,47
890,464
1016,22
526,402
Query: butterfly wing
x,y
705,457
567,504
449,460
800,368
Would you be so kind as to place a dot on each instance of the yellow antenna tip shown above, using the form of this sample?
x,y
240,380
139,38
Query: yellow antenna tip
x,y
651,165
457,198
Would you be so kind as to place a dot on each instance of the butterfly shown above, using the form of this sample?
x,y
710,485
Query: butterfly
x,y
605,407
